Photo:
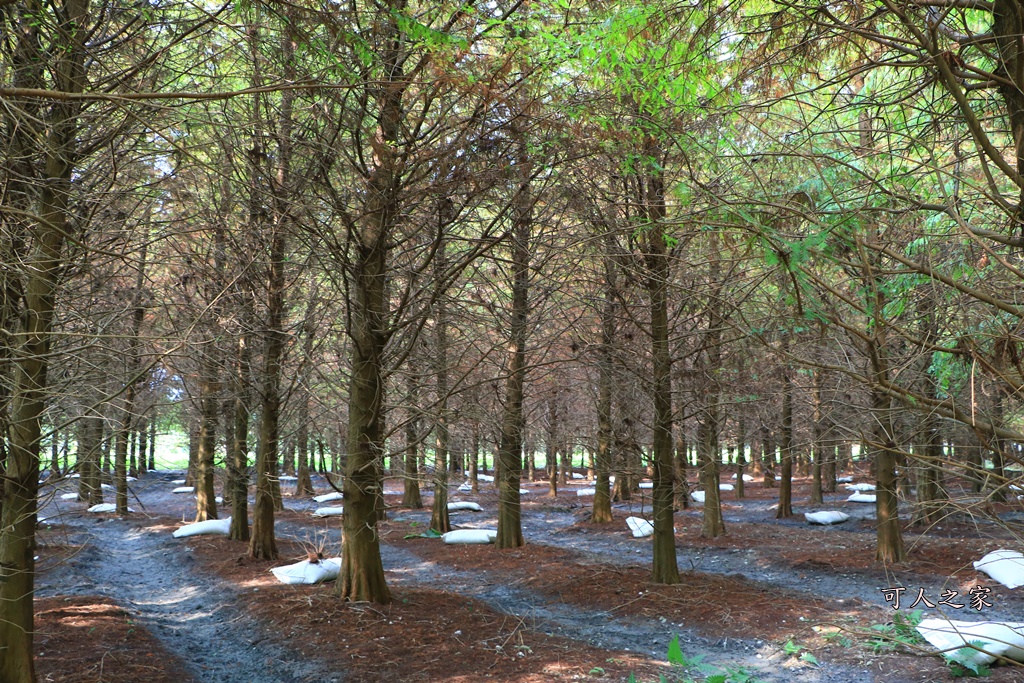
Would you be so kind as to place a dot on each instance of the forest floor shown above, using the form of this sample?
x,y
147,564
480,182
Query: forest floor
x,y
120,600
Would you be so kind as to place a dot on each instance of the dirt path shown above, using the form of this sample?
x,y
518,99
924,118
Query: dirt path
x,y
196,616
192,613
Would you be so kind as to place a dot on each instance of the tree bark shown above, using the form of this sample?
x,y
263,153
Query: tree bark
x,y
42,265
510,448
439,519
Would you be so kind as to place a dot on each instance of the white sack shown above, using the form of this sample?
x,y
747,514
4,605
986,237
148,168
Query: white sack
x,y
484,477
586,492
1001,638
746,477
178,482
76,475
860,488
647,484
465,487
523,492
329,511
826,517
287,477
844,480
470,536
1005,566
726,487
577,475
306,573
465,505
698,497
69,496
184,489
211,527
862,498
640,527
106,507
107,487
328,497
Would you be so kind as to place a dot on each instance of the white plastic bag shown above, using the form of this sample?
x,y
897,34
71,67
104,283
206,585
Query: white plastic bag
x,y
328,497
1005,566
586,492
470,536
860,488
464,505
184,489
996,638
329,511
106,507
698,496
862,498
826,517
307,573
640,527
211,527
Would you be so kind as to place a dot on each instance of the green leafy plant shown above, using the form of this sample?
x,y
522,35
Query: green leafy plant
x,y
961,664
902,631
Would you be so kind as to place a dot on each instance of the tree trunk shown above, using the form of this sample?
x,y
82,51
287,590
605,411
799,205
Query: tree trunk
x,y
40,272
665,568
602,511
682,485
439,519
238,455
741,456
786,443
90,435
712,524
206,496
551,449
818,448
411,497
509,463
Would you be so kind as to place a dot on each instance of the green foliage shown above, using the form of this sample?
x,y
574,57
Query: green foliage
x,y
902,631
960,664
681,663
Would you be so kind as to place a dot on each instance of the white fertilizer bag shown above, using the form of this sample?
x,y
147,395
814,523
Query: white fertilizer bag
x,y
844,480
184,489
647,484
577,475
860,488
484,477
746,477
106,507
178,482
586,492
306,572
211,527
69,496
287,477
996,638
640,527
523,492
698,497
106,487
862,498
1005,566
328,497
827,517
465,487
475,507
726,487
329,511
478,536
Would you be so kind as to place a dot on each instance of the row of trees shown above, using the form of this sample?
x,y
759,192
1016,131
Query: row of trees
x,y
401,224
